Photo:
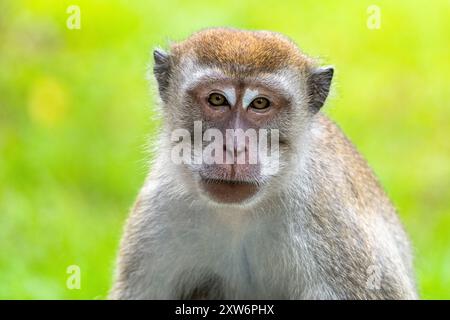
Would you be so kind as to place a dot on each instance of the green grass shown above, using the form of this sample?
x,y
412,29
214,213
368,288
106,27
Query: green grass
x,y
76,115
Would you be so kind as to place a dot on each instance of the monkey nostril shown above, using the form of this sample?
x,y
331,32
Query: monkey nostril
x,y
227,150
234,148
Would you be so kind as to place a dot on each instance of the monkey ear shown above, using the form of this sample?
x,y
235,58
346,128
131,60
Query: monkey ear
x,y
319,83
161,70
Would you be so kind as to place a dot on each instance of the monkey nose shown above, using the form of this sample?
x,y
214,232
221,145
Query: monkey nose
x,y
235,150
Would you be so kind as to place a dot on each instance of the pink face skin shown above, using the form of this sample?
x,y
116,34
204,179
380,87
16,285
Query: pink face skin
x,y
245,106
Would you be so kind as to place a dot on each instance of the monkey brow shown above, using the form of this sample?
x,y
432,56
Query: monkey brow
x,y
280,81
203,76
272,81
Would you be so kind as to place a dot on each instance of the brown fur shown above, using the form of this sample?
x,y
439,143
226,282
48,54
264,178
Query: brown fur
x,y
253,50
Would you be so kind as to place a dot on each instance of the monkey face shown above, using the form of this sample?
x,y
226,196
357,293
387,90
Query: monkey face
x,y
242,115
241,128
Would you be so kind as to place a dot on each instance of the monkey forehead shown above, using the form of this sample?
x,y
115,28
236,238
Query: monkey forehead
x,y
286,81
241,49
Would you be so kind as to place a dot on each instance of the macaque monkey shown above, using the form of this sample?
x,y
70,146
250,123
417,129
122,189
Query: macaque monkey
x,y
309,223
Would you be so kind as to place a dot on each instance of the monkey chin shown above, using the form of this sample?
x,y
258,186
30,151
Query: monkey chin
x,y
229,192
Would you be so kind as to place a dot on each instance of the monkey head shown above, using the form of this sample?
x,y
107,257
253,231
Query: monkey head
x,y
242,88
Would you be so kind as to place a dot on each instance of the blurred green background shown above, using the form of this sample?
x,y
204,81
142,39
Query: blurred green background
x,y
76,114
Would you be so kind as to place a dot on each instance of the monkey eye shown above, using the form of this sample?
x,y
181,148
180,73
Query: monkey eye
x,y
217,99
260,103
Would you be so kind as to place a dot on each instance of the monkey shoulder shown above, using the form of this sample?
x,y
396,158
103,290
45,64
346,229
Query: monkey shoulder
x,y
342,171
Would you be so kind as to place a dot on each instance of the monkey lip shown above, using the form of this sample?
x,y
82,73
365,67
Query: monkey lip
x,y
229,191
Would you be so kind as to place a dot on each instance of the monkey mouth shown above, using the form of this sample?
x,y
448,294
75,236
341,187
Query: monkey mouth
x,y
229,191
